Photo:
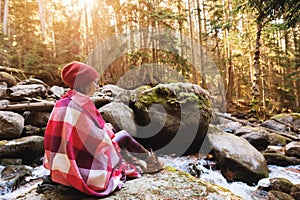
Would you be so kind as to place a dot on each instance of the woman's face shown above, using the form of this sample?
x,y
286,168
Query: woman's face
x,y
92,87
89,89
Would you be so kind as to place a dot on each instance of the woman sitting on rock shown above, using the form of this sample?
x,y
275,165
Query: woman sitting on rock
x,y
81,150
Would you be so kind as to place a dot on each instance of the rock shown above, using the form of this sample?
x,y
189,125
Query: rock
x,y
3,90
278,158
231,127
4,102
167,184
273,138
119,94
10,161
11,125
289,118
13,176
57,91
279,140
19,92
9,79
259,195
236,157
257,139
292,149
37,118
173,118
295,191
277,195
262,135
282,119
27,148
281,184
31,81
120,116
249,129
272,124
32,130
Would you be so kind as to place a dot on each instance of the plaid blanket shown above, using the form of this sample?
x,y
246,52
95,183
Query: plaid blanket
x,y
79,150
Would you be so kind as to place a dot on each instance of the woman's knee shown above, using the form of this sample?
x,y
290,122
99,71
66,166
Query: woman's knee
x,y
123,134
122,138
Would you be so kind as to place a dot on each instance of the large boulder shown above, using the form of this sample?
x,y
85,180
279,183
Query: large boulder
x,y
27,148
120,116
11,125
19,92
236,157
36,118
172,118
167,184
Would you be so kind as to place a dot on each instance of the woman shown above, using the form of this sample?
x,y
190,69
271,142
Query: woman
x,y
81,150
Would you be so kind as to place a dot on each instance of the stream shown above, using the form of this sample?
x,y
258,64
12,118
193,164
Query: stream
x,y
292,173
241,189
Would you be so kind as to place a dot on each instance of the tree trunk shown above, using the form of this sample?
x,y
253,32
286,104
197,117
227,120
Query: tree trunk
x,y
1,12
203,84
195,71
42,17
256,68
297,81
5,17
230,83
86,28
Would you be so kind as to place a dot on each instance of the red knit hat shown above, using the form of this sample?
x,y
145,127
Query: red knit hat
x,y
77,74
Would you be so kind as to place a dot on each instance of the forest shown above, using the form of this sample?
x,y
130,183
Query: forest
x,y
254,45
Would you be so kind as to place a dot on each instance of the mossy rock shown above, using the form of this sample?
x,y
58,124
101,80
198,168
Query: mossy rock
x,y
171,116
170,94
167,184
273,194
281,184
280,159
9,79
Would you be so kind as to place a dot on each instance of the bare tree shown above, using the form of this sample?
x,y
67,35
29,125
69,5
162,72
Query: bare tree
x,y
42,17
5,17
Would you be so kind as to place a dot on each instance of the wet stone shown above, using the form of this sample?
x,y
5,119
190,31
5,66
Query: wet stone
x,y
11,125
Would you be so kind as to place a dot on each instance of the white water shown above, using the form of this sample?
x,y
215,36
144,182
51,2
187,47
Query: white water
x,y
292,173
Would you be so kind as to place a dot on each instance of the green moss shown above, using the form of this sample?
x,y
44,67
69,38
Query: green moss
x,y
159,95
142,88
190,98
282,115
167,97
296,115
3,142
210,188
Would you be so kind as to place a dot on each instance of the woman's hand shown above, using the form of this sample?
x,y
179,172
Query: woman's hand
x,y
110,126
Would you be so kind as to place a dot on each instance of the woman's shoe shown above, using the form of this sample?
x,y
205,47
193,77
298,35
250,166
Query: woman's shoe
x,y
133,160
153,163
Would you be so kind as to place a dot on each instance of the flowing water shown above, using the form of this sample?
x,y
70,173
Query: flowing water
x,y
292,173
241,189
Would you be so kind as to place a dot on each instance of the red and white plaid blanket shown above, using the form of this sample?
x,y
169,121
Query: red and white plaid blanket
x,y
79,150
